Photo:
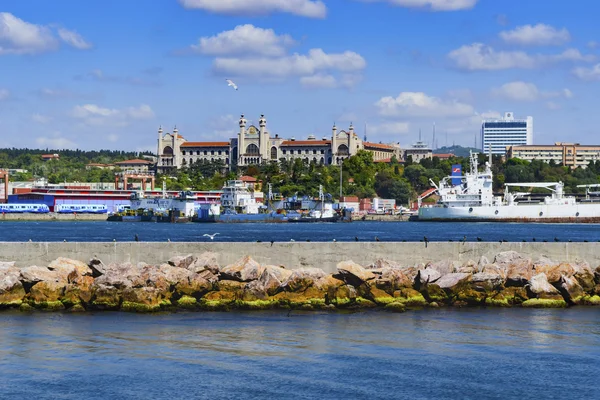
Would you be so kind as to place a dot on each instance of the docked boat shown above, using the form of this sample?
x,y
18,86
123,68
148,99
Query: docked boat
x,y
179,208
323,212
238,204
470,198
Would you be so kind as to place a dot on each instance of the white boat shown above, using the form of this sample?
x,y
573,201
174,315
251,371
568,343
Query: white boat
x,y
182,203
472,199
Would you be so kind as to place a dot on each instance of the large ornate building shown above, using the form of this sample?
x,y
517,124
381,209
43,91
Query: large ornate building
x,y
255,146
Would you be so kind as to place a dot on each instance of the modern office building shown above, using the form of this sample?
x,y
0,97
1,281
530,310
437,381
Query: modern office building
x,y
504,132
568,154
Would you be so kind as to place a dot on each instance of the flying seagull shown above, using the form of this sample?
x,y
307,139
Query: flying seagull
x,y
212,237
230,83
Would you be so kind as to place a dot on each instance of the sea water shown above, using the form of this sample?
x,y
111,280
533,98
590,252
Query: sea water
x,y
425,354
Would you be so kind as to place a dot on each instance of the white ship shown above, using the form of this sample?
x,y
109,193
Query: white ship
x,y
182,204
473,200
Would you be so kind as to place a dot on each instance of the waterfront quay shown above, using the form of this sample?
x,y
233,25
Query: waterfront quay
x,y
52,217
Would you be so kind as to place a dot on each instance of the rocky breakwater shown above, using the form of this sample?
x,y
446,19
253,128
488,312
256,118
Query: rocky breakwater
x,y
198,282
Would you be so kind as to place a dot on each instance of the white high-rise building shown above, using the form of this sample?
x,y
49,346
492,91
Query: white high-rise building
x,y
503,132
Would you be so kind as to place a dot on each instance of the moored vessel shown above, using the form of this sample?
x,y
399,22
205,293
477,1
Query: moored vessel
x,y
470,198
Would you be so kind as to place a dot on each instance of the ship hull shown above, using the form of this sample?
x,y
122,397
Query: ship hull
x,y
541,213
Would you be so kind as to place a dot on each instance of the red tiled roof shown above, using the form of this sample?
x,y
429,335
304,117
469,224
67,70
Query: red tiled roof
x,y
247,178
378,146
385,160
444,156
205,144
134,161
306,142
50,156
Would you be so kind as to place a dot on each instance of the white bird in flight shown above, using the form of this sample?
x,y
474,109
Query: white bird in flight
x,y
212,237
230,83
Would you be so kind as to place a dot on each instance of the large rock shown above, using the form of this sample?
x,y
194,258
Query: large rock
x,y
427,276
571,289
194,285
486,282
11,288
142,299
206,261
302,278
453,281
46,292
470,267
121,275
272,278
97,266
34,274
392,279
540,288
243,270
67,264
554,271
353,274
584,275
445,266
182,261
518,269
174,275
105,297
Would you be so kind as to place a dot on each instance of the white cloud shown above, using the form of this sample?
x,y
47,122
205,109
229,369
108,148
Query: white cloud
x,y
587,74
4,94
74,39
21,37
526,91
418,104
433,5
92,114
479,57
592,44
244,39
319,81
112,138
316,61
56,142
518,91
536,35
41,119
304,8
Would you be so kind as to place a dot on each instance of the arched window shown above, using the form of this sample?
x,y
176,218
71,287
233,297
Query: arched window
x,y
343,150
191,161
252,150
322,161
168,151
273,153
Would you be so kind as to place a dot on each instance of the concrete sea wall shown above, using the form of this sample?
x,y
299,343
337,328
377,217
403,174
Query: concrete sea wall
x,y
293,255
52,217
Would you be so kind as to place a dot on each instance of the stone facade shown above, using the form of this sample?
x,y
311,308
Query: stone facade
x,y
254,146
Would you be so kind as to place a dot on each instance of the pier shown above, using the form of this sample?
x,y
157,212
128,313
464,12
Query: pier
x,y
293,255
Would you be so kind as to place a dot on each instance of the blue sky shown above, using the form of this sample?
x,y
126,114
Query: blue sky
x,y
107,74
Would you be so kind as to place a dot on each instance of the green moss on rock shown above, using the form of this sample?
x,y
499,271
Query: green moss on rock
x,y
188,302
591,300
397,307
130,306
544,303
